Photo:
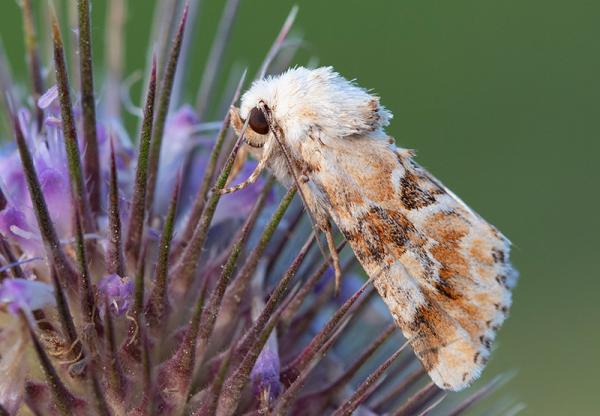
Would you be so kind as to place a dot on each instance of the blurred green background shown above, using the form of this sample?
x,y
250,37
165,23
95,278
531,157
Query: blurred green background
x,y
501,99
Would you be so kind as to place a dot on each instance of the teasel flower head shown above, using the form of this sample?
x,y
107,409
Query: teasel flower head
x,y
128,285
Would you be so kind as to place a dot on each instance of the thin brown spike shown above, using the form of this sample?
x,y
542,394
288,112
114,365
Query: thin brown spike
x,y
133,241
147,370
158,308
88,106
163,108
140,275
114,257
85,286
88,303
64,315
117,383
78,188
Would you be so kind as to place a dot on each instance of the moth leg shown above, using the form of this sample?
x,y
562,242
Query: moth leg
x,y
262,164
334,257
253,177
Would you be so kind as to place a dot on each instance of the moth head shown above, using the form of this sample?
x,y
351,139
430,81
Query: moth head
x,y
303,102
258,131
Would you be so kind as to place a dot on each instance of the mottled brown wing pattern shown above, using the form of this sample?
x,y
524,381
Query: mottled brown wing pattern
x,y
441,269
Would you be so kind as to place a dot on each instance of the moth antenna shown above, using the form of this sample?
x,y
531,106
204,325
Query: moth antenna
x,y
254,176
288,160
335,258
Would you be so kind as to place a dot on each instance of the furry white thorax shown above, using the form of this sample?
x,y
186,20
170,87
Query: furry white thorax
x,y
307,102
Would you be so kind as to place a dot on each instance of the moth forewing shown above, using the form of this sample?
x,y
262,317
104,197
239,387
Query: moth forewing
x,y
441,269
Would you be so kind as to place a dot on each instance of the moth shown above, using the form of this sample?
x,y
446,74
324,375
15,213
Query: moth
x,y
442,270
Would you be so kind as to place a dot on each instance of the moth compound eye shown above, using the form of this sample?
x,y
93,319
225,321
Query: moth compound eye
x,y
257,122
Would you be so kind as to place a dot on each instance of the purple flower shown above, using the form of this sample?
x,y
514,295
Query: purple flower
x,y
265,374
18,223
17,228
25,295
118,291
12,179
49,100
178,141
182,124
17,220
55,186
